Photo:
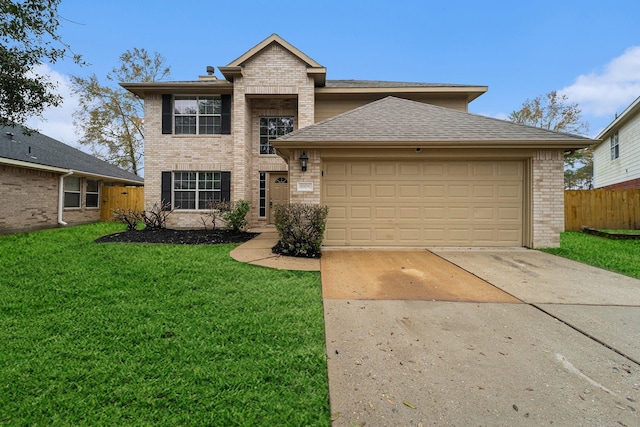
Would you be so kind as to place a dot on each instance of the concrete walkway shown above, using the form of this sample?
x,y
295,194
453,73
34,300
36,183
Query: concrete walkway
x,y
562,349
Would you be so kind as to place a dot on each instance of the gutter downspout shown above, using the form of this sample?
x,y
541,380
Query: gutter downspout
x,y
61,196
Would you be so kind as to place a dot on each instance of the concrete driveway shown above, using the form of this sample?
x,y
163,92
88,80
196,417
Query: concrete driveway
x,y
492,337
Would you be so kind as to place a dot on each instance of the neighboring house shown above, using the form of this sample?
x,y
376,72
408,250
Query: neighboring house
x,y
45,183
616,160
398,164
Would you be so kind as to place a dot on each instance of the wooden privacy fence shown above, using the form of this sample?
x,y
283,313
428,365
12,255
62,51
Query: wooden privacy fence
x,y
602,209
124,198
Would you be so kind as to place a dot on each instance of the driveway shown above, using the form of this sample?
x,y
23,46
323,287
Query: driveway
x,y
491,337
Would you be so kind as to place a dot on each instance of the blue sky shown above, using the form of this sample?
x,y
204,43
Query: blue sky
x,y
588,50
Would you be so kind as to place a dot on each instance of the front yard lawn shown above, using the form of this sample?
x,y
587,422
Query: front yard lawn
x,y
621,256
144,334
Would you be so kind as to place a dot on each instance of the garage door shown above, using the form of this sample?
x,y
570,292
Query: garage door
x,y
428,203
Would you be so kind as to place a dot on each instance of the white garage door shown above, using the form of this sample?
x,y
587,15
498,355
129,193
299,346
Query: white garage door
x,y
427,203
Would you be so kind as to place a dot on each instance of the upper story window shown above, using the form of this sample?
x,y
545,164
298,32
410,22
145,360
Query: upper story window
x,y
271,128
615,146
197,115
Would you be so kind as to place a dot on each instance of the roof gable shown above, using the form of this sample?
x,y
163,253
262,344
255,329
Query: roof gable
x,y
47,153
314,69
394,119
629,113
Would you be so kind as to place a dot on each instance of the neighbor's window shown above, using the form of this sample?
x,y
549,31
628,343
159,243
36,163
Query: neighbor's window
x,y
615,147
271,128
71,192
197,115
195,190
92,194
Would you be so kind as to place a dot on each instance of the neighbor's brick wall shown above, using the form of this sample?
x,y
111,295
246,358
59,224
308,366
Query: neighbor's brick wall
x,y
548,198
29,199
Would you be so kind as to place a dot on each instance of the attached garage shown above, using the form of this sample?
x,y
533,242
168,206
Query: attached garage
x,y
432,203
401,173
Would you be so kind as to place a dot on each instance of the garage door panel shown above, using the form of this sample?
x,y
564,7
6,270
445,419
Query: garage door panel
x,y
437,203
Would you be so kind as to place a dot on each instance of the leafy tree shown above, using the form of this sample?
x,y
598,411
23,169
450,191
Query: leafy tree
x,y
554,112
28,37
109,118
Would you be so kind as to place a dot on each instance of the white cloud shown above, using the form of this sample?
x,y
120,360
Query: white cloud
x,y
57,122
612,90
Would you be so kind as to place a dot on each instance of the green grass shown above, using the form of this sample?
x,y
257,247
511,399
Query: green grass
x,y
621,256
137,334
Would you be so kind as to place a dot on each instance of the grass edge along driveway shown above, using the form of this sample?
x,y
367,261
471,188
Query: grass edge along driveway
x,y
620,256
139,334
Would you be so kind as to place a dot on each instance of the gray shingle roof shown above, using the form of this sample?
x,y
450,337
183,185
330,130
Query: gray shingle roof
x,y
396,119
41,150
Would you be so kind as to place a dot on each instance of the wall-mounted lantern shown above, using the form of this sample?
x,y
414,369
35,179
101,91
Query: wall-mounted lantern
x,y
303,161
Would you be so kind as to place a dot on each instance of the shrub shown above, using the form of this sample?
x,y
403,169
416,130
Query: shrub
x,y
235,217
130,217
156,218
301,229
216,211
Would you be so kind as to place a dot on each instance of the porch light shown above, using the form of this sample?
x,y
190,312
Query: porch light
x,y
303,161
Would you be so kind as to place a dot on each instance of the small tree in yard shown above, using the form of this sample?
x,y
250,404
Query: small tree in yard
x,y
301,229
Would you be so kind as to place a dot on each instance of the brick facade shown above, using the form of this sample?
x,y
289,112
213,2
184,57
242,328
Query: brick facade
x,y
547,198
632,184
274,81
30,201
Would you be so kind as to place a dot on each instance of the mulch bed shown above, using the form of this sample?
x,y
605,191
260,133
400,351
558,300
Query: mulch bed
x,y
179,237
608,235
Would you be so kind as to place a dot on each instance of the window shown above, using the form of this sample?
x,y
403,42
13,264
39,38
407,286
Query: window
x,y
92,195
71,192
197,115
195,190
271,128
615,147
263,194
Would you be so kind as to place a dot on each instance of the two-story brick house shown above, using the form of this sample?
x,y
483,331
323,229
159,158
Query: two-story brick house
x,y
398,164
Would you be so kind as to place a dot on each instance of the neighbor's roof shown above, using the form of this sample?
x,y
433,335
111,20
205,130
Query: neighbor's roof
x,y
393,119
41,152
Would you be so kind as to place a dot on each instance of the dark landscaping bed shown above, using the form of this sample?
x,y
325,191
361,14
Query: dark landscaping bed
x,y
179,237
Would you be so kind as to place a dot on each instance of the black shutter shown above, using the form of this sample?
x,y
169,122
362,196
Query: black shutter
x,y
225,114
225,186
167,114
165,191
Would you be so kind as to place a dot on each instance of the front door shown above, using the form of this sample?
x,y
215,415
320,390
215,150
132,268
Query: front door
x,y
278,191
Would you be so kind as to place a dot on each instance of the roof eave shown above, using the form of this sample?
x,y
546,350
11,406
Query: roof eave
x,y
142,89
472,92
434,144
624,117
54,169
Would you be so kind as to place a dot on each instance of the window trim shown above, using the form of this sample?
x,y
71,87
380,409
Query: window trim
x,y
615,145
67,191
88,193
271,149
197,115
217,192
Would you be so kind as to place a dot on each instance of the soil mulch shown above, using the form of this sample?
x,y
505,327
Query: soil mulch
x,y
179,237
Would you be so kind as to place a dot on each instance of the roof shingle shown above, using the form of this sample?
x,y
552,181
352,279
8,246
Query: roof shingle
x,y
41,150
396,119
